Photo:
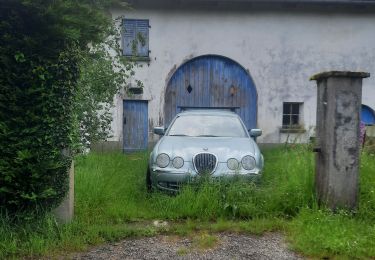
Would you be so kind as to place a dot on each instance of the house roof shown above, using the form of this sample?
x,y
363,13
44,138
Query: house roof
x,y
284,1
254,4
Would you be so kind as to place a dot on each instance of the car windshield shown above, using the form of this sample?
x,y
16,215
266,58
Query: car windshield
x,y
207,126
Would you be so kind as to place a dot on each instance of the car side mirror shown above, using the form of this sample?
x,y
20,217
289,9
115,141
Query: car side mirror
x,y
159,130
255,132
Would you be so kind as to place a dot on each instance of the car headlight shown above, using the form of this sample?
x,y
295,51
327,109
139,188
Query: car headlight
x,y
232,164
178,162
162,160
248,162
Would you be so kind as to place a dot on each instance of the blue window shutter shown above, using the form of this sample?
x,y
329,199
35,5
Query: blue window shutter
x,y
129,36
135,40
142,33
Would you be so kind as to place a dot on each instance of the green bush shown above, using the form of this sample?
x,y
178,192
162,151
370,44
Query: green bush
x,y
42,42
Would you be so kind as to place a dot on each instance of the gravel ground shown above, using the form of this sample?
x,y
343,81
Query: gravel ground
x,y
226,246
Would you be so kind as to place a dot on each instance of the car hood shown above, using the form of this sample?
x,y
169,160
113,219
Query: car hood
x,y
222,147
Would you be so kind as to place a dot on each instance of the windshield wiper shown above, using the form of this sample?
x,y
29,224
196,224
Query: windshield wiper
x,y
207,136
178,135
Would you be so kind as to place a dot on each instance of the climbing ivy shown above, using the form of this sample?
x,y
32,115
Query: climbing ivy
x,y
104,73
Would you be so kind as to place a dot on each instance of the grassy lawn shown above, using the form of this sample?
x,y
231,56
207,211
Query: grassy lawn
x,y
112,203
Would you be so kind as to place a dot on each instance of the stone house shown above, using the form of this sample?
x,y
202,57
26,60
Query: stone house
x,y
251,56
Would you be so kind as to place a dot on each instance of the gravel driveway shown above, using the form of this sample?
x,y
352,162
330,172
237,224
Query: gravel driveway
x,y
225,246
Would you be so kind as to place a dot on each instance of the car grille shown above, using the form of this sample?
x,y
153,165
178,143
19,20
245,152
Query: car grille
x,y
205,163
171,185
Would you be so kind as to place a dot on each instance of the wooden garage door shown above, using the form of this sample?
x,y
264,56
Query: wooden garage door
x,y
212,81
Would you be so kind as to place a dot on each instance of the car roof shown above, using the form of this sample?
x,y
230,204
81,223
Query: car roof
x,y
209,111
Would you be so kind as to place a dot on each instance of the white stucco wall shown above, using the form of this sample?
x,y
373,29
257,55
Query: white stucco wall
x,y
280,50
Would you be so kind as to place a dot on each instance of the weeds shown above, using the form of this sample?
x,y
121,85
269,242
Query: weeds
x,y
205,241
112,203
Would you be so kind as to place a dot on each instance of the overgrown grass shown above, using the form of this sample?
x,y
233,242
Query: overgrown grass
x,y
113,189
112,203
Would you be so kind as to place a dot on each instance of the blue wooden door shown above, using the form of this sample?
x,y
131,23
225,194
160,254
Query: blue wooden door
x,y
212,81
135,122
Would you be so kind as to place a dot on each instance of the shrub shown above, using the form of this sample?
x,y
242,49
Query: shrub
x,y
41,49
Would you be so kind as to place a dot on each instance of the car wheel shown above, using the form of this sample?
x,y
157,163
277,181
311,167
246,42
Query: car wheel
x,y
148,180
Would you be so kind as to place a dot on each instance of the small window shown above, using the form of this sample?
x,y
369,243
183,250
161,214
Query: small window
x,y
291,115
135,38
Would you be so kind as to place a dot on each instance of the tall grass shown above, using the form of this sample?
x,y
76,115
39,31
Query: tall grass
x,y
113,188
320,233
112,202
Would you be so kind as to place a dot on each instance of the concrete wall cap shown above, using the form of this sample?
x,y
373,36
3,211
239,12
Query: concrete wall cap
x,y
339,74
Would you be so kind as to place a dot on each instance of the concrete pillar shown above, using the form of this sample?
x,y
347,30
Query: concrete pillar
x,y
337,137
65,212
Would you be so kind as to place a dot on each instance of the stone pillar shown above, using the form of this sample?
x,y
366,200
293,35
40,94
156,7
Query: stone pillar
x,y
337,137
65,212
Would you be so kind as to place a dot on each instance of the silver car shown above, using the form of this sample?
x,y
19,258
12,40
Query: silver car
x,y
205,142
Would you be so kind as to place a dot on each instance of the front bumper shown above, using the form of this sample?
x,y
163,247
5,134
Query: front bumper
x,y
170,179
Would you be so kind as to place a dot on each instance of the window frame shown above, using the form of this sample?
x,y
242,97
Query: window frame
x,y
291,126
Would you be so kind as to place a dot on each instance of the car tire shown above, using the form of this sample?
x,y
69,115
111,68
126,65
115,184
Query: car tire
x,y
148,181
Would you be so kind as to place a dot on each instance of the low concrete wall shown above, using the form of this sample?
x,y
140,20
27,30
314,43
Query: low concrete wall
x,y
106,146
370,138
370,131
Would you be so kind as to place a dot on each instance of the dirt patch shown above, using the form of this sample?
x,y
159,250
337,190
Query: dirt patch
x,y
216,246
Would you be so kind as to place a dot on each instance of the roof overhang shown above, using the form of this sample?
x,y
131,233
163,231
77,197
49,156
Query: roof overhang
x,y
365,5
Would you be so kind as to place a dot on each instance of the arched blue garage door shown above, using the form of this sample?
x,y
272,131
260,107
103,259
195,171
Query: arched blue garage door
x,y
211,81
367,115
